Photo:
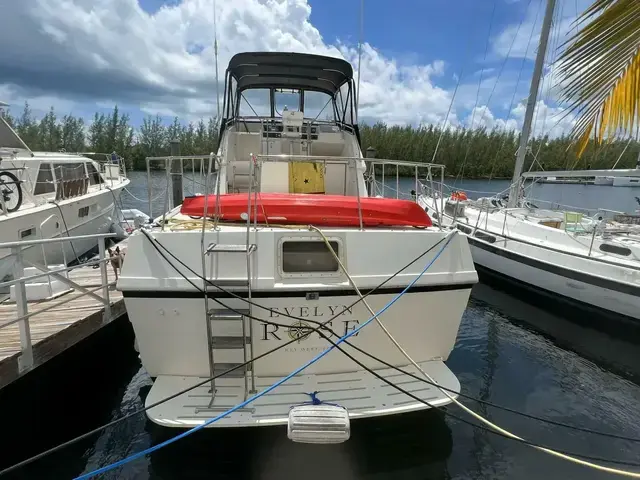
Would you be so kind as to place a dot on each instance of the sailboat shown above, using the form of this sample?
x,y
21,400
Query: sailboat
x,y
588,262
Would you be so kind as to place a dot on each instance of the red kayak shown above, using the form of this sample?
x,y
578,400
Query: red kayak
x,y
309,209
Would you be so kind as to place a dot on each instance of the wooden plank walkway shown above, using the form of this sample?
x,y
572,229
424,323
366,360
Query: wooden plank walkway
x,y
73,317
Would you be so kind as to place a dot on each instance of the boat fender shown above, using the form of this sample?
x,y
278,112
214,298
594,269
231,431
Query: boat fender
x,y
458,195
318,422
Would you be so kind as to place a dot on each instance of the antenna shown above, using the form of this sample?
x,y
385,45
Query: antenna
x,y
215,51
359,58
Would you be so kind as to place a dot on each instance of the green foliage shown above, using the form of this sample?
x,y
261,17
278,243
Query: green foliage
x,y
113,132
482,153
477,153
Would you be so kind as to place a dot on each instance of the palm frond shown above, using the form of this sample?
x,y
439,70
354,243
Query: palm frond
x,y
600,71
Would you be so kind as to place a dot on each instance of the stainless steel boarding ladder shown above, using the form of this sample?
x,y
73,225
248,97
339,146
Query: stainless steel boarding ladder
x,y
234,342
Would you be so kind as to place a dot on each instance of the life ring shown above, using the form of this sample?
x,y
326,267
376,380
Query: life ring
x,y
458,195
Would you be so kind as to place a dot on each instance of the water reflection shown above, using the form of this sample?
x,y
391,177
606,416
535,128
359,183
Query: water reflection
x,y
608,348
419,443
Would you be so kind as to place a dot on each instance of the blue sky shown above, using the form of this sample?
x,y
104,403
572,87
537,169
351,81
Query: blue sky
x,y
155,57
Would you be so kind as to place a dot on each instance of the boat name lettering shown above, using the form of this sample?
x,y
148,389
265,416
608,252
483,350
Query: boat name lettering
x,y
304,311
301,331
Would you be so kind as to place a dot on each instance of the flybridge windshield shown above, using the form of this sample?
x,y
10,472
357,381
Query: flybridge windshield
x,y
317,106
261,85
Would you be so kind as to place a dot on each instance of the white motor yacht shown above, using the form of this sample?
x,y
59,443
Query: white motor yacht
x,y
290,185
51,194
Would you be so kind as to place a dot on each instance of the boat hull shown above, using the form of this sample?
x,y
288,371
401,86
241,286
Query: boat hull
x,y
598,285
550,276
50,222
171,330
161,283
171,333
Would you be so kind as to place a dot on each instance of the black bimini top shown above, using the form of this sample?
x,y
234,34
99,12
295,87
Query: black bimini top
x,y
289,70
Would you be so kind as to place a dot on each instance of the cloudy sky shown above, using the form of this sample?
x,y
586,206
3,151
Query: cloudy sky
x,y
156,56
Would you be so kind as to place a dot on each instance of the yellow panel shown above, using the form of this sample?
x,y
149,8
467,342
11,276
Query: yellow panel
x,y
306,177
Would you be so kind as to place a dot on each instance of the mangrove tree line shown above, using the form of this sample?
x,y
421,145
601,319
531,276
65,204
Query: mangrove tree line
x,y
477,153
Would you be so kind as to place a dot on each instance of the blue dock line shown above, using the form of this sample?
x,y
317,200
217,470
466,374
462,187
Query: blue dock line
x,y
152,449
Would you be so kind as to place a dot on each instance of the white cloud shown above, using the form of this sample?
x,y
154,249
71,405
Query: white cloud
x,y
521,39
482,117
547,120
111,51
79,54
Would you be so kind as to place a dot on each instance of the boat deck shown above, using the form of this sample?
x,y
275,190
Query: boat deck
x,y
59,322
360,392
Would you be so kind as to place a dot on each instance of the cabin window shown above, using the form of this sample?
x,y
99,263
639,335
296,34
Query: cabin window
x,y
344,104
286,98
71,179
464,229
70,171
485,237
44,182
94,175
255,102
83,211
27,232
309,257
318,105
608,248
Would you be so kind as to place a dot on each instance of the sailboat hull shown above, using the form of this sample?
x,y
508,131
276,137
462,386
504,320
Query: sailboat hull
x,y
556,282
554,262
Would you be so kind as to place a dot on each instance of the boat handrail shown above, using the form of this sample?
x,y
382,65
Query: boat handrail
x,y
104,159
375,167
26,360
67,188
43,241
341,160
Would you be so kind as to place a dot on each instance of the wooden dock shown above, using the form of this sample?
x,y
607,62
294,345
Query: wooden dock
x,y
66,320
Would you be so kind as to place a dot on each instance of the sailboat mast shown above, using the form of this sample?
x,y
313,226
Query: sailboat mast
x,y
514,192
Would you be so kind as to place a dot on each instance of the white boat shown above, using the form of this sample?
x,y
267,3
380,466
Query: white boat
x,y
626,182
562,254
589,262
184,337
49,194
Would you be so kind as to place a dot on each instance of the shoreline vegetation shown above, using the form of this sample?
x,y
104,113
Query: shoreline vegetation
x,y
477,153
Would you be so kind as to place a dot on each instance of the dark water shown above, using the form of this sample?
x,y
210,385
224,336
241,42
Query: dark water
x,y
509,351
